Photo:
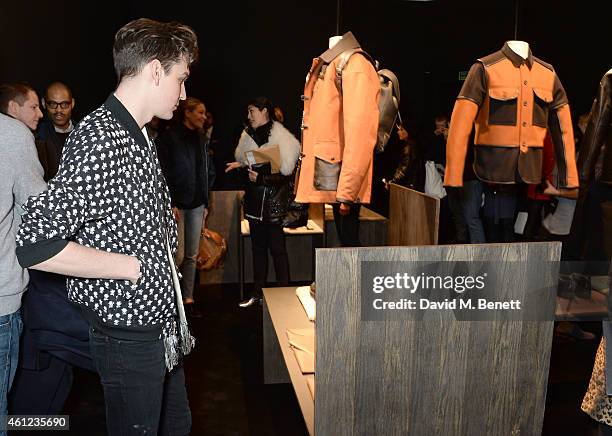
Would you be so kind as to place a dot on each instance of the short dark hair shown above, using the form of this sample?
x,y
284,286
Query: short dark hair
x,y
17,92
261,103
58,84
143,40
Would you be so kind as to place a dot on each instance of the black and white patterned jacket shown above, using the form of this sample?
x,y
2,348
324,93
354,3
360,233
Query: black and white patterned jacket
x,y
109,194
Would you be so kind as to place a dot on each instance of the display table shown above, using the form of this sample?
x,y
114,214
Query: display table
x,y
282,311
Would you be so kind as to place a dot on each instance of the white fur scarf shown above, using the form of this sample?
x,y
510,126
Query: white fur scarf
x,y
289,147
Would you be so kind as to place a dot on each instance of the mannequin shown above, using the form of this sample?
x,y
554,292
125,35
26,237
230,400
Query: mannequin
x,y
339,170
521,48
334,40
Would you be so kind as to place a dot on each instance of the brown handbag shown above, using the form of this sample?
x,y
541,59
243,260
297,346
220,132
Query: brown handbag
x,y
212,250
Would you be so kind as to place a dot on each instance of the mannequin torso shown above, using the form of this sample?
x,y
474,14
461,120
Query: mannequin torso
x,y
521,48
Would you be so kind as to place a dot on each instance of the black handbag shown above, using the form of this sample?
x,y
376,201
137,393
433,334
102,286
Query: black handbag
x,y
297,213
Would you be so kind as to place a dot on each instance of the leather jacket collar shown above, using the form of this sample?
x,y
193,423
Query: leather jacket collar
x,y
515,58
348,42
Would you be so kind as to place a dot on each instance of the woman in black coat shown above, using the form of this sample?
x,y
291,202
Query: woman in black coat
x,y
266,193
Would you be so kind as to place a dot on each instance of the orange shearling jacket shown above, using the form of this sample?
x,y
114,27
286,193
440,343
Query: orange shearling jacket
x,y
512,102
338,129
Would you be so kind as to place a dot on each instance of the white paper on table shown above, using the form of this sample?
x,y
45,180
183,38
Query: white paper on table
x,y
308,303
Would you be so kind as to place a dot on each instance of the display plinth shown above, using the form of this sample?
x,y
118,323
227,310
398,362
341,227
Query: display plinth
x,y
438,375
413,217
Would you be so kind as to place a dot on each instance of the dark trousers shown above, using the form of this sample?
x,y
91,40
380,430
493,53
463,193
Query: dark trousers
x,y
348,225
270,236
141,397
41,391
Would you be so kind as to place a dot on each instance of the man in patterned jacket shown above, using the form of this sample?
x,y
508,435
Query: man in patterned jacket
x,y
106,222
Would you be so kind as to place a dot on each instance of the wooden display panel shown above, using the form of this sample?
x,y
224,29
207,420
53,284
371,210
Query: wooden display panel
x,y
414,217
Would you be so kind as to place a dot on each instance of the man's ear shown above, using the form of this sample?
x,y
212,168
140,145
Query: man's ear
x,y
43,103
71,107
12,108
156,71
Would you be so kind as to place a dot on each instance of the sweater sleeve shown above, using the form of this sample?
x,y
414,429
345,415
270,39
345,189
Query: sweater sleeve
x,y
81,191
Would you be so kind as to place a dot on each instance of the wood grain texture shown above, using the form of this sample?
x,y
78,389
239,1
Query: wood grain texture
x,y
437,376
275,369
413,217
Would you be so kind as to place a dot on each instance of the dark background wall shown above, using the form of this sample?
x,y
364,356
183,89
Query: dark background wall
x,y
265,47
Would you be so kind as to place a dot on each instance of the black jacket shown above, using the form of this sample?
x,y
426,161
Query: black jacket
x,y
187,166
597,135
266,199
49,145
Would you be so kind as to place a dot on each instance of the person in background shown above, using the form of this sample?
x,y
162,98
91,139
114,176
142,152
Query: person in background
x,y
411,170
54,129
20,101
21,177
50,345
266,194
189,172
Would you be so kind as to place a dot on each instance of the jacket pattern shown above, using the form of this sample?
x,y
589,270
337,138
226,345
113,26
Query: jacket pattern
x,y
109,194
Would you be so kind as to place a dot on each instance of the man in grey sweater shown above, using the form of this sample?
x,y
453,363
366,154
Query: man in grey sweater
x,y
20,177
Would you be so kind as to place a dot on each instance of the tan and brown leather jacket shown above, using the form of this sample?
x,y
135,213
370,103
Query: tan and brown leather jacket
x,y
511,101
339,130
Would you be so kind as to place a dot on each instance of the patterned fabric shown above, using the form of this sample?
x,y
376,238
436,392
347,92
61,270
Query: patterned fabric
x,y
110,194
596,403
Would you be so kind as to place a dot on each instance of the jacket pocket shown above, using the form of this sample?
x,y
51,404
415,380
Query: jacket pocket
x,y
541,100
503,106
328,162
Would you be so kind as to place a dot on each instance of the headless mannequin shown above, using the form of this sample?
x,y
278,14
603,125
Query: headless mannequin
x,y
521,48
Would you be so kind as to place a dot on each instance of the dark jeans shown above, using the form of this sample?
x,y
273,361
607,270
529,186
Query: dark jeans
x,y
266,236
348,225
141,397
472,201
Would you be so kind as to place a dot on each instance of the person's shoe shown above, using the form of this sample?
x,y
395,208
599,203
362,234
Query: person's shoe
x,y
250,302
573,330
192,311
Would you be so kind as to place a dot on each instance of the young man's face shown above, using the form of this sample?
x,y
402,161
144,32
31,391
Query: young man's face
x,y
172,89
29,113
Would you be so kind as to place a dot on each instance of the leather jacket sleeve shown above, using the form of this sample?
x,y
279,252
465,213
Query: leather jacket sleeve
x,y
594,137
465,111
562,134
360,89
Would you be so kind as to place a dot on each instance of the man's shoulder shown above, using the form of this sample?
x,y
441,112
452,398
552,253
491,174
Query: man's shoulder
x,y
11,127
99,127
14,136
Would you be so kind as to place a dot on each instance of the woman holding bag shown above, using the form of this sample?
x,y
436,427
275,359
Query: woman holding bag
x,y
266,194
